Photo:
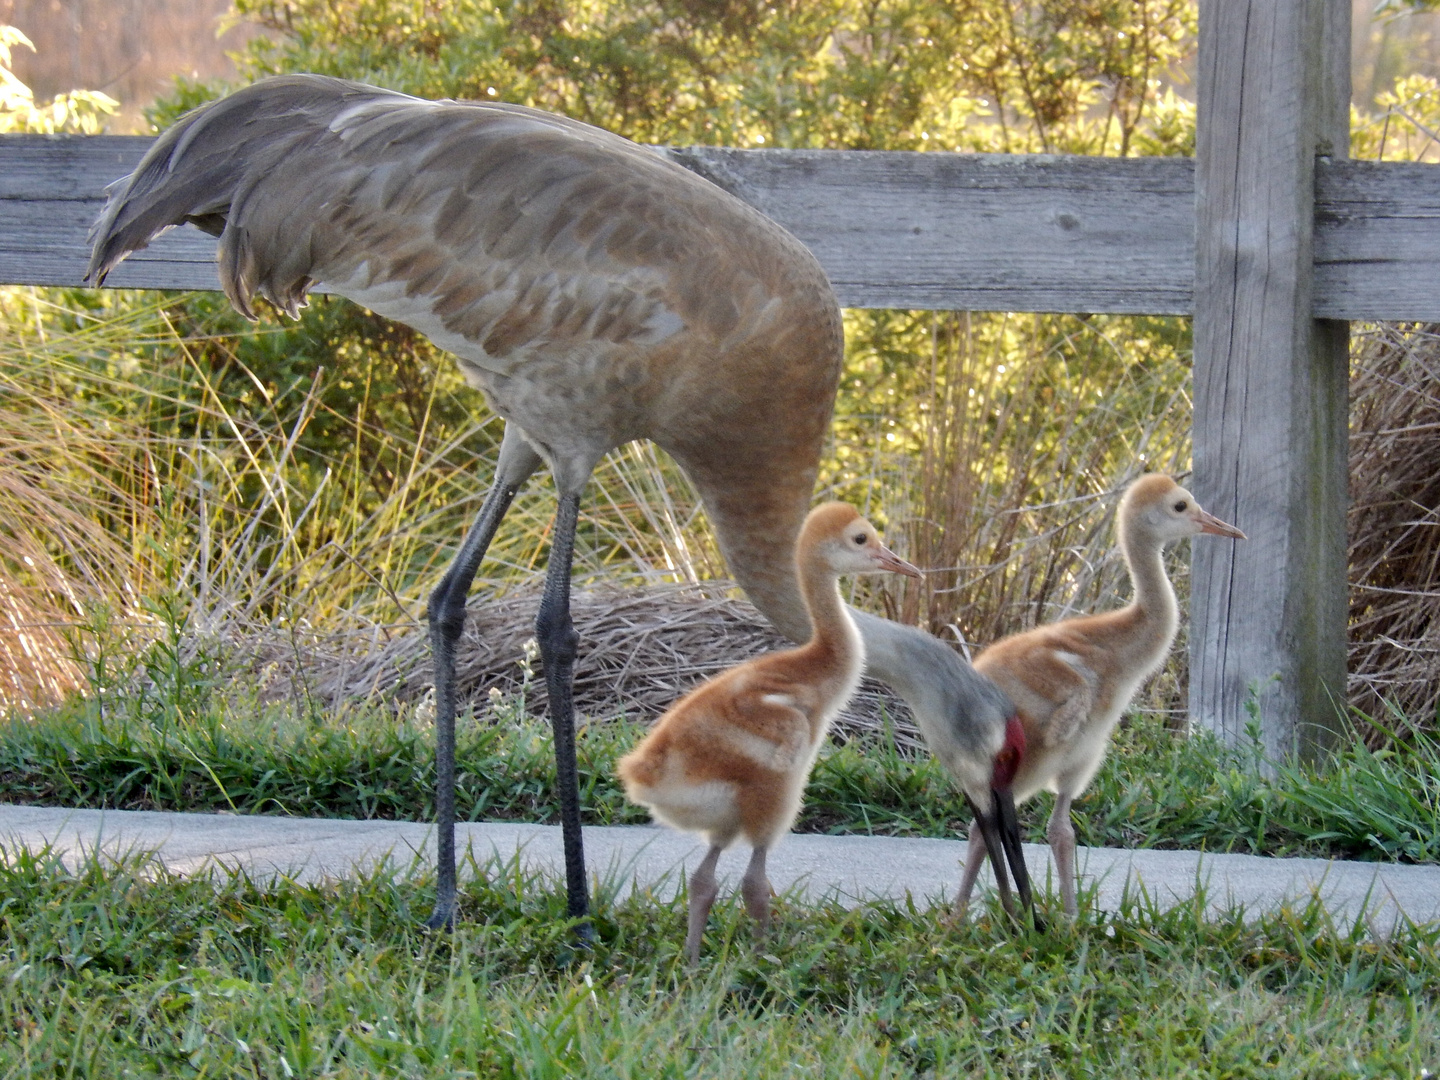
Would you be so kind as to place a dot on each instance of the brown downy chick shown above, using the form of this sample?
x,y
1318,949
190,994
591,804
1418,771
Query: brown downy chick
x,y
730,759
1071,680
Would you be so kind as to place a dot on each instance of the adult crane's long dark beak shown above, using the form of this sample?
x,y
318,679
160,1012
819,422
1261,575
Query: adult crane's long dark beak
x,y
1009,829
1001,830
1000,827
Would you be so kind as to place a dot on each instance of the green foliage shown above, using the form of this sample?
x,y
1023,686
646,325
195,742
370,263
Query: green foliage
x,y
118,967
1405,126
82,112
1392,8
892,74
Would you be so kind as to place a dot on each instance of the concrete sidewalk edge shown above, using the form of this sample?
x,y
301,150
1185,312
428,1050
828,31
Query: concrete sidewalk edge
x,y
849,869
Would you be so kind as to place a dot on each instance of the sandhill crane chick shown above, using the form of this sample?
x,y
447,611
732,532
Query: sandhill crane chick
x,y
1071,680
730,759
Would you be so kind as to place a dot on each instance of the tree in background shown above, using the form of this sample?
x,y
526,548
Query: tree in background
x,y
78,111
1053,76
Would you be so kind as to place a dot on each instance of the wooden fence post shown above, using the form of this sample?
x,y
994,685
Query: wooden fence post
x,y
1271,381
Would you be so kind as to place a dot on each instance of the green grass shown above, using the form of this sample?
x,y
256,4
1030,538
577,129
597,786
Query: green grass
x,y
122,968
1155,790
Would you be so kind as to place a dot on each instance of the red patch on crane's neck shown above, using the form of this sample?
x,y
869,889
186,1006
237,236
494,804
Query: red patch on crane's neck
x,y
1007,761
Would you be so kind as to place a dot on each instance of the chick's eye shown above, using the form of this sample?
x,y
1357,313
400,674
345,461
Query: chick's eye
x,y
859,538
1180,506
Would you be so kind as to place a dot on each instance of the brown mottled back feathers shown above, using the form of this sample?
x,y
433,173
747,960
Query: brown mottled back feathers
x,y
596,291
309,179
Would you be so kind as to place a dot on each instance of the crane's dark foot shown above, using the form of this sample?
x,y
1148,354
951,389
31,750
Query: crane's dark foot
x,y
581,946
441,919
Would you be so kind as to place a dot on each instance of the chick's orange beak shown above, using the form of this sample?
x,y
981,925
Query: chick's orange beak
x,y
1209,523
885,559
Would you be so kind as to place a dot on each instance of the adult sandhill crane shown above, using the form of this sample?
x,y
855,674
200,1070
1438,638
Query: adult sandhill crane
x,y
1070,680
596,293
732,756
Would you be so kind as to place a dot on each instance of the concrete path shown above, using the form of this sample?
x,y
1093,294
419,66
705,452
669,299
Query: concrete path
x,y
852,869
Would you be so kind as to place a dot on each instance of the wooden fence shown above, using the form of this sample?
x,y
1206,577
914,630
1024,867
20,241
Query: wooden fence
x,y
1269,238
961,232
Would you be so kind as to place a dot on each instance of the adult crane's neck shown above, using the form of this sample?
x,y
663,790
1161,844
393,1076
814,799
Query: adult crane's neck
x,y
1154,597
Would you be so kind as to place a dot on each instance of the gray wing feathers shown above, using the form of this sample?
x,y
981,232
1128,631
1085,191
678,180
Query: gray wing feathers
x,y
309,178
514,226
193,170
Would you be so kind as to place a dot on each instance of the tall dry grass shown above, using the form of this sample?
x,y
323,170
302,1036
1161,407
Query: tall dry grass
x,y
1025,438
126,478
133,495
1030,428
1395,523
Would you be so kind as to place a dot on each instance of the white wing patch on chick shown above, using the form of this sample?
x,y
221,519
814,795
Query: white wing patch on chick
x,y
1070,715
768,753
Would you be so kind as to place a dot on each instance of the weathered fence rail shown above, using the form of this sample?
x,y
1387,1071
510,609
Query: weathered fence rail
x,y
1269,238
974,232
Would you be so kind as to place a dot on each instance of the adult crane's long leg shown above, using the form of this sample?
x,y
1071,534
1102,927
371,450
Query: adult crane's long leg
x,y
555,633
447,621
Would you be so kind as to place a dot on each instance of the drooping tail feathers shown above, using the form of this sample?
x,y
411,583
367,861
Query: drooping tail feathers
x,y
207,162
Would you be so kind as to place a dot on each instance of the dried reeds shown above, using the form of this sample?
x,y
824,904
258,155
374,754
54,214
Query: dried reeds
x,y
1008,501
74,495
1011,499
126,472
641,649
1395,522
1009,496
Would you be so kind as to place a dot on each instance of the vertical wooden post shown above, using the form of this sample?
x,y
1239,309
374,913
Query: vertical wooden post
x,y
1268,614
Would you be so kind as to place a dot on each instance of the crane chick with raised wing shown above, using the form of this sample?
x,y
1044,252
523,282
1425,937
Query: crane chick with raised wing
x,y
730,759
1071,680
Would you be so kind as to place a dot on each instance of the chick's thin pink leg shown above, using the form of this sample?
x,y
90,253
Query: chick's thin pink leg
x,y
703,890
974,860
1060,832
755,887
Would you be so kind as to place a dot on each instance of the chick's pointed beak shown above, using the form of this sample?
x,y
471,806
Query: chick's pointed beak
x,y
1209,523
885,559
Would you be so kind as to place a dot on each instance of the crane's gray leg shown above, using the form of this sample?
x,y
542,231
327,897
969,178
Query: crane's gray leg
x,y
1061,834
974,860
703,890
556,636
447,621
